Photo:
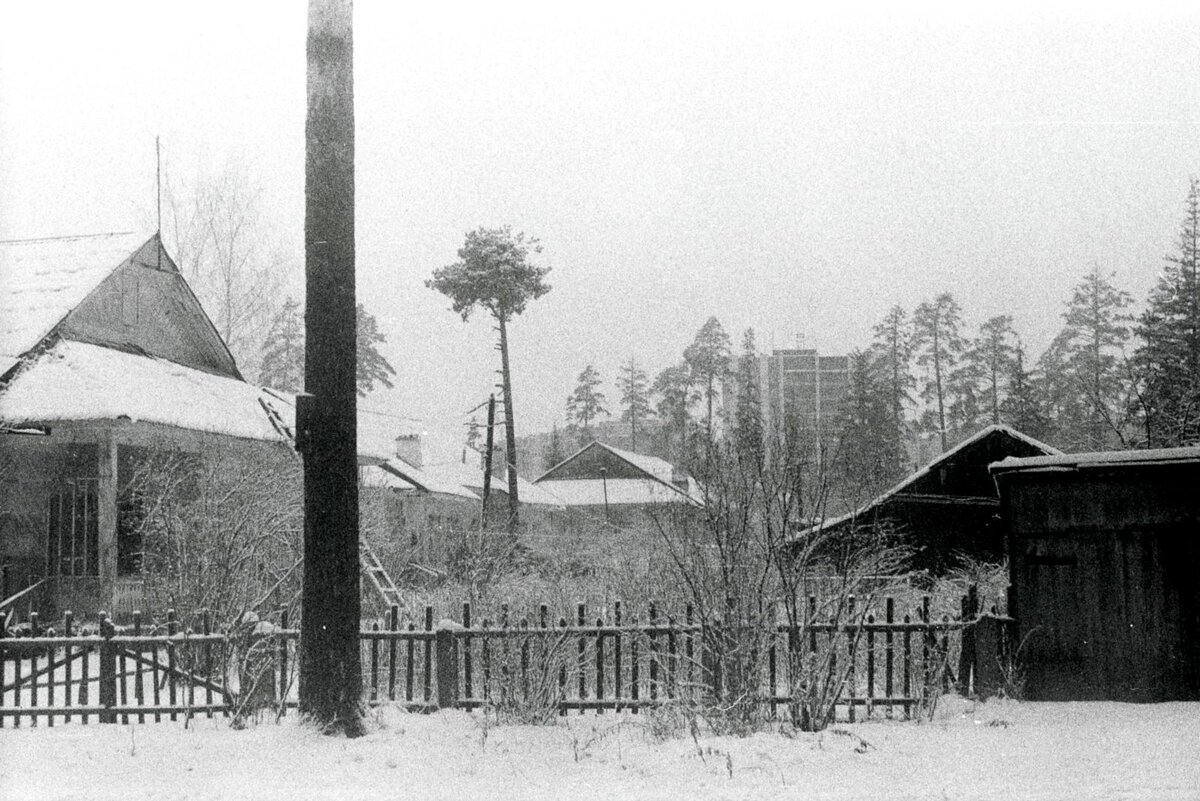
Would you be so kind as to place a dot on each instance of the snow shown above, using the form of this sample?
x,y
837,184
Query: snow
x,y
77,381
1071,461
998,750
44,279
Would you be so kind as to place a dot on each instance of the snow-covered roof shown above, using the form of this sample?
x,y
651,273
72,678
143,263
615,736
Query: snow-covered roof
x,y
429,481
1074,461
73,381
620,492
42,280
913,478
470,476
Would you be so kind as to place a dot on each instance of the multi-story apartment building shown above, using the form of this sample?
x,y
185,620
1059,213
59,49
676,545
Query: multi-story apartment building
x,y
798,387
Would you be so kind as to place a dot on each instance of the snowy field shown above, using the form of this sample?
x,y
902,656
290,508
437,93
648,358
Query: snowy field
x,y
997,750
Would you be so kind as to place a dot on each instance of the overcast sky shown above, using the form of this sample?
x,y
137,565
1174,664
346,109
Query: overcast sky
x,y
797,173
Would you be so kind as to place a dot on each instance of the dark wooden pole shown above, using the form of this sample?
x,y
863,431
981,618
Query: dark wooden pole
x,y
489,454
510,433
330,674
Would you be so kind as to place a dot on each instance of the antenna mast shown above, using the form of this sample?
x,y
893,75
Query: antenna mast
x,y
158,193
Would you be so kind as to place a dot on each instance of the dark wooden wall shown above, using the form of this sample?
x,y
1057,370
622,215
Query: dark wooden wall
x,y
1105,569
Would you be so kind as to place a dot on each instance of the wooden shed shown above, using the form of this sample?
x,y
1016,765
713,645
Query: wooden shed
x,y
948,509
1105,560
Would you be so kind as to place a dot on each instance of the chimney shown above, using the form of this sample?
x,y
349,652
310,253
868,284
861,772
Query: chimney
x,y
408,448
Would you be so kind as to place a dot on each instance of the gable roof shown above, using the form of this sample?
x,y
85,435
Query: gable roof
x,y
42,280
658,472
933,465
75,381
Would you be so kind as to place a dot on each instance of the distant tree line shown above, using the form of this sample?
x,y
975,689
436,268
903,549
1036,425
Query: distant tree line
x,y
1110,378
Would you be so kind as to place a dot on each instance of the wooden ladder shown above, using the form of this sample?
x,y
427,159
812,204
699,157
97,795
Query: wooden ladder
x,y
378,575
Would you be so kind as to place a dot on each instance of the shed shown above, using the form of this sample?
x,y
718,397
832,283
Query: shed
x,y
949,508
1104,553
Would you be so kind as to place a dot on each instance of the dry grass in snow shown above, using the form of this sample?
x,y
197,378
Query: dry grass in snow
x,y
998,750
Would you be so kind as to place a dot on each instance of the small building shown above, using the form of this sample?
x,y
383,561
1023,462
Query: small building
x,y
106,356
949,508
618,486
1104,554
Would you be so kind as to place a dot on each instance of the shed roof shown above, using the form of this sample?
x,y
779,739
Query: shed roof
x,y
617,492
1099,459
42,280
933,465
420,479
74,381
656,471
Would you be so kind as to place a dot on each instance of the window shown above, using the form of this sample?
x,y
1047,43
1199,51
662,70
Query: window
x,y
73,535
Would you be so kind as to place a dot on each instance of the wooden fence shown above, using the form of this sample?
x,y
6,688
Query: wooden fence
x,y
891,663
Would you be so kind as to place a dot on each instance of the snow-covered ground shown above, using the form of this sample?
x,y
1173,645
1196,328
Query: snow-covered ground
x,y
1000,749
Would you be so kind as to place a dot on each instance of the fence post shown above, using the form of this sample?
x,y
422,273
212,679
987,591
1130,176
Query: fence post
x,y
447,664
990,657
108,671
966,659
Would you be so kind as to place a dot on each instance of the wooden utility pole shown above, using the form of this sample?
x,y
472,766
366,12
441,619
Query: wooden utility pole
x,y
510,433
330,672
487,460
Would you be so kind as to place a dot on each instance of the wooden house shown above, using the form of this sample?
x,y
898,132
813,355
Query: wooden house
x,y
618,486
949,508
1104,554
105,355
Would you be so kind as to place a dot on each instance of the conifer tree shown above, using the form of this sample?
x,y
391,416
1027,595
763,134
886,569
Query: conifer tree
x,y
1169,359
372,367
635,398
708,358
283,351
870,455
991,359
1093,340
893,344
676,394
1023,407
586,403
748,420
938,345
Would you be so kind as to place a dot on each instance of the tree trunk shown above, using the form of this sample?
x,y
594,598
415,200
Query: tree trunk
x,y
330,672
510,434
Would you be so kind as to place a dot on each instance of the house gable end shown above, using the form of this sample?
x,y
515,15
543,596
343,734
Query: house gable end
x,y
964,473
145,306
588,463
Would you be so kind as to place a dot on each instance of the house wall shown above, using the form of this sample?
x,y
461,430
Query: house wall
x,y
1103,570
103,453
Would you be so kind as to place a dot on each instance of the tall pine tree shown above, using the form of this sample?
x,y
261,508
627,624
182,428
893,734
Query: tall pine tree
x,y
938,345
586,403
1169,359
709,358
991,357
635,399
1093,339
871,452
893,346
748,420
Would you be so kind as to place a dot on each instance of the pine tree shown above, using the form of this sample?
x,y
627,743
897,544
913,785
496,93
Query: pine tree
x,y
748,420
676,394
893,344
1093,338
586,403
635,398
373,368
1023,407
991,359
708,358
283,351
938,345
871,452
1169,359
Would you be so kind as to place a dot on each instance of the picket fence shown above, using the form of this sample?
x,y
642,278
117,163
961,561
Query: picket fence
x,y
583,664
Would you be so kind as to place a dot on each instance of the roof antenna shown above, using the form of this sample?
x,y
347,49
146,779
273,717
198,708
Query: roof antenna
x,y
158,193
